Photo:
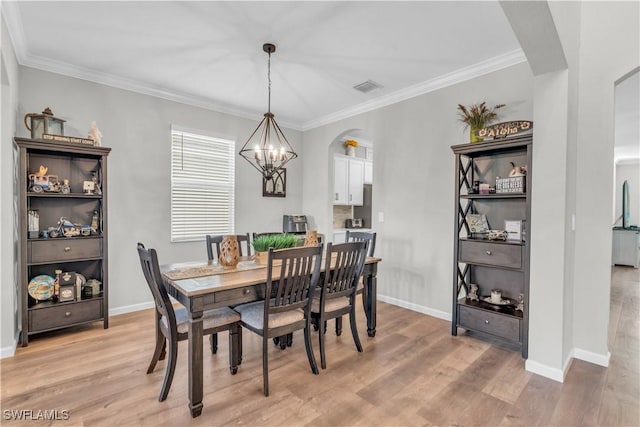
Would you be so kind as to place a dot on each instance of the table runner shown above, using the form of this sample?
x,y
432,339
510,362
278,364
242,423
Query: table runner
x,y
209,270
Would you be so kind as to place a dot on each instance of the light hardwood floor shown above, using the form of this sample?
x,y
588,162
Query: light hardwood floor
x,y
412,373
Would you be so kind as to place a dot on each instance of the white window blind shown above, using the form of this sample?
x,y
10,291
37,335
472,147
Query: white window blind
x,y
202,185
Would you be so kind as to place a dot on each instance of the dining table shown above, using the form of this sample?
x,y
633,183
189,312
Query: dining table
x,y
204,285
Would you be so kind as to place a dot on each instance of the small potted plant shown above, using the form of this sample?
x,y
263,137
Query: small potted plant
x,y
262,244
350,146
476,117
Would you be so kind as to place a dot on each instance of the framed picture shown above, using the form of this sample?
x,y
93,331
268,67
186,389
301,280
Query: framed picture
x,y
513,229
276,186
477,223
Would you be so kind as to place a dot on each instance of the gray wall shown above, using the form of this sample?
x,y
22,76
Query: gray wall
x,y
137,128
606,29
414,182
9,95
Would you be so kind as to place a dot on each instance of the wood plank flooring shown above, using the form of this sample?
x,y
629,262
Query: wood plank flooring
x,y
412,373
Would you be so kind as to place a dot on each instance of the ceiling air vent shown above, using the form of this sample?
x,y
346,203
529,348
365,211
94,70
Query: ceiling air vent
x,y
367,86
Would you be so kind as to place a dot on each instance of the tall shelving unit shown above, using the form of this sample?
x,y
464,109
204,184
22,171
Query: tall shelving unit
x,y
40,255
492,264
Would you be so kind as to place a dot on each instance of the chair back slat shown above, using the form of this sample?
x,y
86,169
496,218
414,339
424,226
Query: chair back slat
x,y
213,244
299,271
151,270
363,236
342,279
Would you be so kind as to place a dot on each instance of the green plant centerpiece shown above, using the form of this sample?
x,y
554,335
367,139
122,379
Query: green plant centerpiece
x,y
476,117
262,244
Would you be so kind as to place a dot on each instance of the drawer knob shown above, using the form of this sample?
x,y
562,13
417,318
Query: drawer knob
x,y
486,322
67,248
67,314
488,252
247,291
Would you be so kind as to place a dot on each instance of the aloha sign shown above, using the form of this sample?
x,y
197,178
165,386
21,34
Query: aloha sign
x,y
505,129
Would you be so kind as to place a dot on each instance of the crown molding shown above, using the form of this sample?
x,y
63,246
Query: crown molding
x,y
12,17
137,86
476,70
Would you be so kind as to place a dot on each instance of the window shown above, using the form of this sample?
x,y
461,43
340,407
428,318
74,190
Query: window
x,y
202,185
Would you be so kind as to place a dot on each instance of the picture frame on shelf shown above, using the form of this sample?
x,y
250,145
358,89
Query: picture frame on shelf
x,y
514,230
478,223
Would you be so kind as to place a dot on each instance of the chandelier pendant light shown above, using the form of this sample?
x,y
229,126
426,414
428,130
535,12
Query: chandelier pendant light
x,y
267,149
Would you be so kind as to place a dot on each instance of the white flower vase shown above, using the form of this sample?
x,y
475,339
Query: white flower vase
x,y
351,151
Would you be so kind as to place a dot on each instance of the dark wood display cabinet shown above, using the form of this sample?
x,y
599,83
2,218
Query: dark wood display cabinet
x,y
62,227
481,256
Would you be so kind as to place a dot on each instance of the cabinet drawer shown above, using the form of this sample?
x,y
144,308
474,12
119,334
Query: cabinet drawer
x,y
490,323
54,250
502,255
42,319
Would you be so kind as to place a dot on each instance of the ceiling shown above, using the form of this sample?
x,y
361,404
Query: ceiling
x,y
210,53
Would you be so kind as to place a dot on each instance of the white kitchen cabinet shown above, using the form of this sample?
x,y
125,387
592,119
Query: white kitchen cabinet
x,y
368,172
348,181
626,247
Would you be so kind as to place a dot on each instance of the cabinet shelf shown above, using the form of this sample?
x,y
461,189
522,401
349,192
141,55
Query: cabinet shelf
x,y
481,305
491,264
496,242
494,196
85,255
64,196
50,304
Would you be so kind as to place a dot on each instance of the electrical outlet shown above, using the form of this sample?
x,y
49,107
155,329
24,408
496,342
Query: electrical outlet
x,y
380,216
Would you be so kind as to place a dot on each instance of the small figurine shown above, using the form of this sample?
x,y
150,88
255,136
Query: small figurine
x,y
95,134
96,185
517,170
94,222
65,188
42,171
473,293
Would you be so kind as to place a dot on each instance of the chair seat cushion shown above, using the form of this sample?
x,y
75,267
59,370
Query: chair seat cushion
x,y
210,318
253,315
329,305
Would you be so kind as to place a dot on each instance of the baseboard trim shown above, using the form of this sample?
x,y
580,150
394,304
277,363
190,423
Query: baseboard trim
x,y
415,307
131,308
544,370
591,357
10,351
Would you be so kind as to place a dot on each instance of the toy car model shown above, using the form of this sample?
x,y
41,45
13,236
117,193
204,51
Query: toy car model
x,y
44,183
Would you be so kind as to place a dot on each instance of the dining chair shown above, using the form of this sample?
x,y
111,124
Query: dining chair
x,y
213,241
370,238
338,291
172,324
359,236
292,276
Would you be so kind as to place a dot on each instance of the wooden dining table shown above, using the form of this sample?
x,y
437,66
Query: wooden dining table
x,y
204,285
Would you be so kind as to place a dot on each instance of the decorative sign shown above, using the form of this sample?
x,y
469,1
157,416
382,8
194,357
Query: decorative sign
x,y
505,129
73,139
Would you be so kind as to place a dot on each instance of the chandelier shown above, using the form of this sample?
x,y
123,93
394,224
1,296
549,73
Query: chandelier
x,y
267,149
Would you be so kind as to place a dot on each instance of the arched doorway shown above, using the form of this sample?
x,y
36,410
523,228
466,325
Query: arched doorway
x,y
350,184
